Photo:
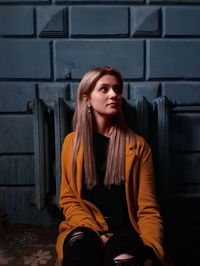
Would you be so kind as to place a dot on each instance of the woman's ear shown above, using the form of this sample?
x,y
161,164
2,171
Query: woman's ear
x,y
86,99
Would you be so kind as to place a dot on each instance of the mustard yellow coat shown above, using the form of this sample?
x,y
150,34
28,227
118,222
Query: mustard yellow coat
x,y
140,195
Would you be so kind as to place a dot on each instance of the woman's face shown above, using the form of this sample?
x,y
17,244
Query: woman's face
x,y
106,97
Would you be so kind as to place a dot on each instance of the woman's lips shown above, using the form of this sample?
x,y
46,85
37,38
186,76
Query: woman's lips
x,y
115,104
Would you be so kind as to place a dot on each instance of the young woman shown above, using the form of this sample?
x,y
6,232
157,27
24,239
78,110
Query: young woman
x,y
107,189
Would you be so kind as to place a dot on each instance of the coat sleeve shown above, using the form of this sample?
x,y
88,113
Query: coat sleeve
x,y
76,212
149,218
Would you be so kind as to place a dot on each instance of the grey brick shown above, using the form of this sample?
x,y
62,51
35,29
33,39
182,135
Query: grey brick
x,y
16,21
149,90
182,93
18,200
183,131
77,57
18,169
73,91
126,91
25,59
99,2
99,21
51,21
14,96
181,21
145,21
174,1
16,133
50,92
185,168
23,1
173,59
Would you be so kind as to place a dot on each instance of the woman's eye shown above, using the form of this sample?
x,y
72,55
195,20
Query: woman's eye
x,y
103,89
117,90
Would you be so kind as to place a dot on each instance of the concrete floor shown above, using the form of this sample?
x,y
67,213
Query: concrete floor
x,y
27,245
35,245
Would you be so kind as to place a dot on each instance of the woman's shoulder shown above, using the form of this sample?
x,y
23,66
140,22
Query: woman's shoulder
x,y
70,137
136,139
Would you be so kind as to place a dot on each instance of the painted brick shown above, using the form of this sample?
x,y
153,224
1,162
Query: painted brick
x,y
23,1
77,57
99,1
16,133
174,1
14,96
73,91
184,128
181,21
126,91
50,92
148,90
186,168
51,21
18,200
17,170
99,21
182,93
24,59
16,21
173,59
145,21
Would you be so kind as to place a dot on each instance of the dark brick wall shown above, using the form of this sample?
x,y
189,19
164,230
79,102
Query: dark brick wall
x,y
154,43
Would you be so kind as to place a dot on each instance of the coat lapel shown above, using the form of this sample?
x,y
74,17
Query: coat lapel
x,y
79,170
131,185
130,155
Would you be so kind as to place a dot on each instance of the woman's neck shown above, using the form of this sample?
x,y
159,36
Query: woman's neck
x,y
103,127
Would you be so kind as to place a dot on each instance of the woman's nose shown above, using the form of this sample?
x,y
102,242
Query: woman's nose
x,y
112,92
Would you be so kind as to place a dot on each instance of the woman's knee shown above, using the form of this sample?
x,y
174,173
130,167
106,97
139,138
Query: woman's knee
x,y
82,244
82,234
123,256
124,259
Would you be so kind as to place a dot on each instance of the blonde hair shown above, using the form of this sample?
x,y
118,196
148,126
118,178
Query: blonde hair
x,y
83,126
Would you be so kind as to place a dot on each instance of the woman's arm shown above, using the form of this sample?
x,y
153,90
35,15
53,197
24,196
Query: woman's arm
x,y
75,211
149,218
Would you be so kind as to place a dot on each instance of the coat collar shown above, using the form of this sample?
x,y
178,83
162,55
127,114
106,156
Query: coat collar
x,y
131,146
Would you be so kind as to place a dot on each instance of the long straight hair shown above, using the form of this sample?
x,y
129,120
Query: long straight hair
x,y
83,122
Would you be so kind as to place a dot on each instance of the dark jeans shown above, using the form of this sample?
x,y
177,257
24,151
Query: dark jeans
x,y
83,247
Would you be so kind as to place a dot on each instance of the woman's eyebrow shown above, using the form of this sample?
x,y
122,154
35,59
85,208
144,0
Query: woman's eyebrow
x,y
114,84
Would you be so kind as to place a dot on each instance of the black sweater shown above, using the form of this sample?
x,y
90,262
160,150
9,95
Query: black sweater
x,y
110,201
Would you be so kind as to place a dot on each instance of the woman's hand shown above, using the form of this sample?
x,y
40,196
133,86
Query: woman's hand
x,y
104,239
148,262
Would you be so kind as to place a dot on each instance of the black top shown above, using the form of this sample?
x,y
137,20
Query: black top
x,y
110,201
